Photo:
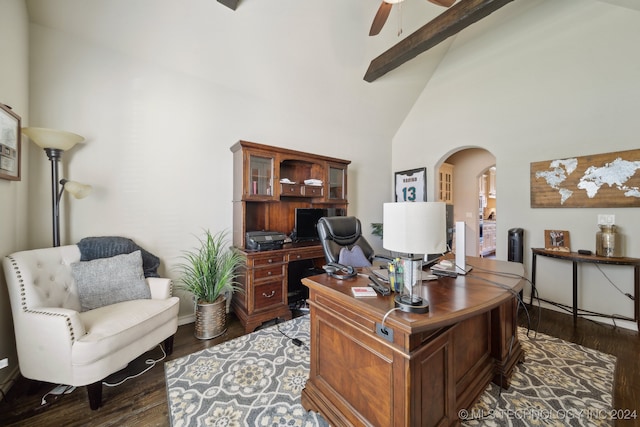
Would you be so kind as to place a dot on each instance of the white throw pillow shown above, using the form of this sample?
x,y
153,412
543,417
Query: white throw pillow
x,y
107,281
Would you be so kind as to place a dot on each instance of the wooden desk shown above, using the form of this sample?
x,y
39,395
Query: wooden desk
x,y
429,366
265,281
577,258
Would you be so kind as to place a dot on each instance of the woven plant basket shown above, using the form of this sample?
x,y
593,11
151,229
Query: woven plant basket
x,y
211,319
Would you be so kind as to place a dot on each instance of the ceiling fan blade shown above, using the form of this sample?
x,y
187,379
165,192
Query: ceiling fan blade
x,y
443,3
380,18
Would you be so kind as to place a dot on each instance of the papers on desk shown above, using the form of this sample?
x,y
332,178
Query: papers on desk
x,y
314,182
363,291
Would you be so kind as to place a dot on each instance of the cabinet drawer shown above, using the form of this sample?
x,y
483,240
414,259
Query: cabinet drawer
x,y
263,260
306,253
268,294
272,271
312,191
291,190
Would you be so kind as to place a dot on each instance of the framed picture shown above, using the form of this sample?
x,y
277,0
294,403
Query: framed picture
x,y
411,185
557,240
10,147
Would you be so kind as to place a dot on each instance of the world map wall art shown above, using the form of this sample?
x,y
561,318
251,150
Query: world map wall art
x,y
610,180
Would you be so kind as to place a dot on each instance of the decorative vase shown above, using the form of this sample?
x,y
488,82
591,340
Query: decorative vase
x,y
211,318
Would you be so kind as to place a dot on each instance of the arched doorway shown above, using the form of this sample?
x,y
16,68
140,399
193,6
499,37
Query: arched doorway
x,y
467,165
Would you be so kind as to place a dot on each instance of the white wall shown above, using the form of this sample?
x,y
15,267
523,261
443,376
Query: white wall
x,y
162,98
13,194
558,79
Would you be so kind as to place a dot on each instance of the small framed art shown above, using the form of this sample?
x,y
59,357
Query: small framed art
x,y
557,240
411,185
10,153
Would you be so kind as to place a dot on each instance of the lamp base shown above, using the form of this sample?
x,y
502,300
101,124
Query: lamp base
x,y
411,304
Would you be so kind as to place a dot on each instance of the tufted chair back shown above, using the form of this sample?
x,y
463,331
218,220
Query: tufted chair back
x,y
45,280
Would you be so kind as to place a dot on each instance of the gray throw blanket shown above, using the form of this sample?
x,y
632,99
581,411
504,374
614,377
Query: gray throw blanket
x,y
108,246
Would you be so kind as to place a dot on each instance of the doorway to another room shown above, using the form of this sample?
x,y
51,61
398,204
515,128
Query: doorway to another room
x,y
460,178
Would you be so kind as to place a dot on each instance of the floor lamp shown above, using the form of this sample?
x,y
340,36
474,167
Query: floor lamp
x,y
55,142
415,229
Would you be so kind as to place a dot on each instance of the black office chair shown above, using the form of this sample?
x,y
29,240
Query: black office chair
x,y
338,232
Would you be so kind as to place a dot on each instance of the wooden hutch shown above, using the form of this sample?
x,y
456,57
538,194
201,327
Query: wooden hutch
x,y
262,202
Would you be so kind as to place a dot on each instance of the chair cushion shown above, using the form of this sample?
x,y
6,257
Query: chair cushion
x,y
107,281
353,257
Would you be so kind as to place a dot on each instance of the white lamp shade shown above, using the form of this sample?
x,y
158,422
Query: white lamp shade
x,y
77,190
52,138
415,227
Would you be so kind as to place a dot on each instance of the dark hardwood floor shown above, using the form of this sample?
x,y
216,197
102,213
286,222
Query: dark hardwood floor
x,y
142,401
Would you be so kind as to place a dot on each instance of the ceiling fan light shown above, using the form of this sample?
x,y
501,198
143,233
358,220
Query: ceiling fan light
x,y
393,1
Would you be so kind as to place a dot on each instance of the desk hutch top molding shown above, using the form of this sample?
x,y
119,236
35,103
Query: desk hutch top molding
x,y
262,202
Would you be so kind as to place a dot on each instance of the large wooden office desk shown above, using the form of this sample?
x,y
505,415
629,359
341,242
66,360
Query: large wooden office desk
x,y
434,364
577,258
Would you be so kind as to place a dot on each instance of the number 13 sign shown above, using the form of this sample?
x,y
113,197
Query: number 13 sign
x,y
411,185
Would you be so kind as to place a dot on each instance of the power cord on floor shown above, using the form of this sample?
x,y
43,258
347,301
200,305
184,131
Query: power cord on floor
x,y
150,362
297,342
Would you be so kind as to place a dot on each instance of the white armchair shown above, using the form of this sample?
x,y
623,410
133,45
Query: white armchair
x,y
58,342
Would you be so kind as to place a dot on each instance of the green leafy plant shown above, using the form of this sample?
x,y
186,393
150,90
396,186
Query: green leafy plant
x,y
210,270
377,229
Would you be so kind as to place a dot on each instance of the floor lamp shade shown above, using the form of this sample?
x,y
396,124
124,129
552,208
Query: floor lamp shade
x,y
415,227
55,142
52,138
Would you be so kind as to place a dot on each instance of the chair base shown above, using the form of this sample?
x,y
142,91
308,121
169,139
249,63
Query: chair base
x,y
94,391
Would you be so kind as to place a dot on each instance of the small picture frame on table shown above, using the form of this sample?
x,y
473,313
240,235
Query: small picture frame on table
x,y
411,185
10,146
557,240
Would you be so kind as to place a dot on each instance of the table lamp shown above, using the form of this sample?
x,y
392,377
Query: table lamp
x,y
55,142
414,229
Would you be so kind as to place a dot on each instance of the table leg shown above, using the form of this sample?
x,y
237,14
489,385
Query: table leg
x,y
533,278
575,292
636,294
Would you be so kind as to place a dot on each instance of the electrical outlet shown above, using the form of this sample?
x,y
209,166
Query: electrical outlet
x,y
4,363
606,219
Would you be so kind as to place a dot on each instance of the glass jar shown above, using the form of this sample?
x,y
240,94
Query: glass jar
x,y
608,242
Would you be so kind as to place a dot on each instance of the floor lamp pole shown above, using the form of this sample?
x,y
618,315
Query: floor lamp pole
x,y
55,155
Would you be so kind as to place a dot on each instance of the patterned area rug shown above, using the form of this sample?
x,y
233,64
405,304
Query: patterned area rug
x,y
256,380
559,384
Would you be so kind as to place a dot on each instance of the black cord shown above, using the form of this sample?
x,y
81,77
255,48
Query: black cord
x,y
295,341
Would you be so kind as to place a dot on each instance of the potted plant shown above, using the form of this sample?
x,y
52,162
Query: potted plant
x,y
209,273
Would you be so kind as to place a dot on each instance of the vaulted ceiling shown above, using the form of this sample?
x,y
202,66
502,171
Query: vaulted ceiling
x,y
310,56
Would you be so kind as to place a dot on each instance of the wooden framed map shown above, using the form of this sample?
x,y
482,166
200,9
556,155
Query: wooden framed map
x,y
610,180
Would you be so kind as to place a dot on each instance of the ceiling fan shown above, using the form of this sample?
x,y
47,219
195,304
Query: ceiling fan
x,y
385,8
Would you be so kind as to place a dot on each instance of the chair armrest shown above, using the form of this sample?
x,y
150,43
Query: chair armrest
x,y
161,288
47,334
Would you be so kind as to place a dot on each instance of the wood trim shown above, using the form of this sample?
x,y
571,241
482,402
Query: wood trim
x,y
443,26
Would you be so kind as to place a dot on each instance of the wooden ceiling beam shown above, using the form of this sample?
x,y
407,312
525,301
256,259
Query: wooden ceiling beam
x,y
443,26
231,4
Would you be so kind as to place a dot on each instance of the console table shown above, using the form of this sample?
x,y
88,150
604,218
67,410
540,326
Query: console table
x,y
415,369
577,258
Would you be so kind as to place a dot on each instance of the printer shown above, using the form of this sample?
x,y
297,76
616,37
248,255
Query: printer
x,y
264,240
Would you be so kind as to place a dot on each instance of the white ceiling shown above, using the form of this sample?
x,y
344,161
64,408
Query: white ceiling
x,y
310,54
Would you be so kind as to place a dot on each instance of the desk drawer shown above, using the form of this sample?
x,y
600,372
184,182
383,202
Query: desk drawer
x,y
306,253
266,259
268,294
273,271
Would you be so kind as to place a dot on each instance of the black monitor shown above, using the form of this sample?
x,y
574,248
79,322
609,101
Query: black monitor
x,y
306,223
